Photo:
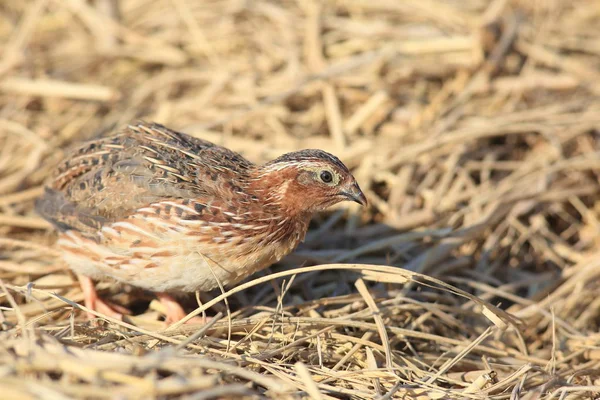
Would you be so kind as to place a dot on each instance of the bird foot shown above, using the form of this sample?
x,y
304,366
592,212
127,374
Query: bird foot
x,y
109,309
174,311
95,303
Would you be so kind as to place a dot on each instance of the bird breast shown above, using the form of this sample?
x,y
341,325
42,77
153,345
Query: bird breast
x,y
154,251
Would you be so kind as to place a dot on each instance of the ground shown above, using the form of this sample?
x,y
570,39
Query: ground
x,y
472,126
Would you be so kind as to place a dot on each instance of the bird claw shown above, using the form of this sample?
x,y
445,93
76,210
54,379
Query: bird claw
x,y
95,303
109,309
174,311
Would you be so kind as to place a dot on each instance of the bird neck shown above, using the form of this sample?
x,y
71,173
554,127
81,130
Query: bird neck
x,y
278,192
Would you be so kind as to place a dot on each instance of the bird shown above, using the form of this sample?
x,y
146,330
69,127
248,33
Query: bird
x,y
171,213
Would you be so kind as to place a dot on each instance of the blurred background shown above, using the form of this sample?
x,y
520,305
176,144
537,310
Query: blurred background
x,y
472,126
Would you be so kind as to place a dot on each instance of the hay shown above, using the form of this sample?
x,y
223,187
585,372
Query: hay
x,y
471,125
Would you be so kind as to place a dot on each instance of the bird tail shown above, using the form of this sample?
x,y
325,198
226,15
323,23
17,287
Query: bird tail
x,y
65,215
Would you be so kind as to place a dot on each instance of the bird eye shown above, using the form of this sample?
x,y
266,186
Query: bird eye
x,y
326,176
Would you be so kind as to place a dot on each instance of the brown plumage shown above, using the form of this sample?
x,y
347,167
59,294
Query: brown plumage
x,y
167,212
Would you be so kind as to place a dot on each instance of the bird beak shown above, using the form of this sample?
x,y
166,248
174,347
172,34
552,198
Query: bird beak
x,y
355,194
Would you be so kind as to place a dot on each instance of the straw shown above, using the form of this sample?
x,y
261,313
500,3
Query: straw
x,y
472,127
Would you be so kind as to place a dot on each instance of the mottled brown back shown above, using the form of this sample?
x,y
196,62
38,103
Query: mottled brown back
x,y
107,179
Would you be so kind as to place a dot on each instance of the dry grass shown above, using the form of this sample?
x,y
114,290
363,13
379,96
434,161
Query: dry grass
x,y
472,125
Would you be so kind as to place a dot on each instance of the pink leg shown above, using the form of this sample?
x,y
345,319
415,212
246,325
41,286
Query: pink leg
x,y
174,310
93,302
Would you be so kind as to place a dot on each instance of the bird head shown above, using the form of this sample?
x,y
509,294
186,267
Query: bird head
x,y
308,181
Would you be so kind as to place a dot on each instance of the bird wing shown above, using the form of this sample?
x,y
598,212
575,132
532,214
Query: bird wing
x,y
108,179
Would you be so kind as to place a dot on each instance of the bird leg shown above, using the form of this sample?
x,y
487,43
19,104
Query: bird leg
x,y
174,310
95,303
